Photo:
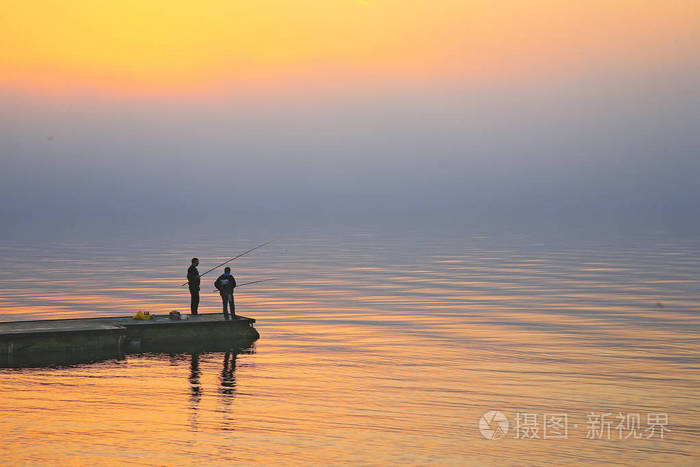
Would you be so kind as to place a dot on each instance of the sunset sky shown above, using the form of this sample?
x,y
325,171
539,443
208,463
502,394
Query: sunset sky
x,y
304,106
184,47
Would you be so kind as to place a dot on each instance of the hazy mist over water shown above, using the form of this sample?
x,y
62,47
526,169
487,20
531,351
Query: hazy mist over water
x,y
619,152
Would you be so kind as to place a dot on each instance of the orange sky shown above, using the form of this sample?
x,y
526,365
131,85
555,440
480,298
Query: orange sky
x,y
183,46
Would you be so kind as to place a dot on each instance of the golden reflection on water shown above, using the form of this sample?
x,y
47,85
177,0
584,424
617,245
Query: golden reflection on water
x,y
365,357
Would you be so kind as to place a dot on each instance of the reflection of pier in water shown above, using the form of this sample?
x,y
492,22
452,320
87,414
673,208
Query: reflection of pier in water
x,y
226,347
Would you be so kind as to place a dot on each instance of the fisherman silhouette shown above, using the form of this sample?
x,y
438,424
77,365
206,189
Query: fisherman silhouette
x,y
225,285
193,282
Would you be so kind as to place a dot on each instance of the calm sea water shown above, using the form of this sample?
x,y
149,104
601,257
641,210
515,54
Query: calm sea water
x,y
373,351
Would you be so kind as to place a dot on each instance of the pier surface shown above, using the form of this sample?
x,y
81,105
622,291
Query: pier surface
x,y
54,326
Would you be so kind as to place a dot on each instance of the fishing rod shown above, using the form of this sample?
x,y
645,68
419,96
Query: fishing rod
x,y
255,282
226,262
248,283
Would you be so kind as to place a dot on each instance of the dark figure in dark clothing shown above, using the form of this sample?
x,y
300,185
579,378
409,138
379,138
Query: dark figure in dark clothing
x,y
225,285
193,282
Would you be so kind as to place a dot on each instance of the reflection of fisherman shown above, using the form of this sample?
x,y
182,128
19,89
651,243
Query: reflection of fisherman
x,y
195,390
225,285
194,377
228,381
193,282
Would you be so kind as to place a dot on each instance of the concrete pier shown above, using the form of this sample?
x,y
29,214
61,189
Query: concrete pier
x,y
78,339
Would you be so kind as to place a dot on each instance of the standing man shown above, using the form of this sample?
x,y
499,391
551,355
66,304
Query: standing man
x,y
193,282
225,285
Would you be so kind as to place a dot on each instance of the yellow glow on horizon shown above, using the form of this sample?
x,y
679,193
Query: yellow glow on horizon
x,y
149,45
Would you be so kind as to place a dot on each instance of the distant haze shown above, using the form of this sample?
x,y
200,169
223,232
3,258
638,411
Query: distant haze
x,y
597,133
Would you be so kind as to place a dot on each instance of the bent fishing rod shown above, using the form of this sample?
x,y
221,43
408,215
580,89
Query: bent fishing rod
x,y
226,262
